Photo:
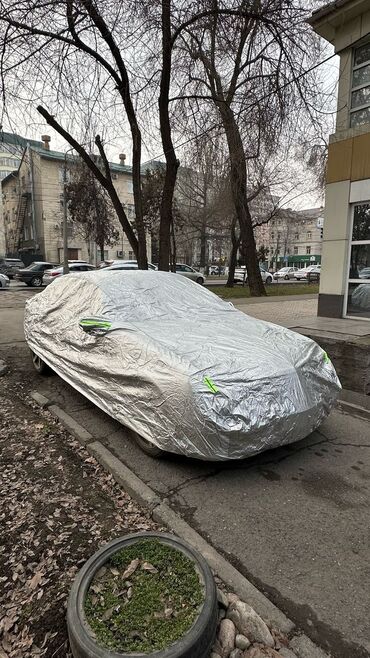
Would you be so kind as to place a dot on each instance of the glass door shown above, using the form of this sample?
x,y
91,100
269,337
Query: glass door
x,y
358,292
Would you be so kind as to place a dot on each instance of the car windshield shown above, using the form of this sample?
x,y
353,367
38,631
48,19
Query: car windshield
x,y
285,269
34,266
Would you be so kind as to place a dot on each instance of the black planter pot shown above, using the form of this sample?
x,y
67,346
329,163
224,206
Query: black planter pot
x,y
196,643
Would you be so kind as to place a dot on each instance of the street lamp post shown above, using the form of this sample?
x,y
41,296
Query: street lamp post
x,y
65,215
65,221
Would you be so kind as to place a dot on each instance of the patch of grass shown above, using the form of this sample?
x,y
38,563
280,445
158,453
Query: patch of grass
x,y
150,608
272,290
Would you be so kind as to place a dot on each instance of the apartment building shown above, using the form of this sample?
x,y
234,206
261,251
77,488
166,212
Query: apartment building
x,y
33,208
345,278
12,147
292,238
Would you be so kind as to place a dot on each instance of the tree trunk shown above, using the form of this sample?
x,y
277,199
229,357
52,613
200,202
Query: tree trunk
x,y
203,244
173,248
172,164
142,258
238,176
235,242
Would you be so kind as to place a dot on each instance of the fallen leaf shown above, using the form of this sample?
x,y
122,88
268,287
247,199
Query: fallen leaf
x,y
35,580
107,615
131,568
149,567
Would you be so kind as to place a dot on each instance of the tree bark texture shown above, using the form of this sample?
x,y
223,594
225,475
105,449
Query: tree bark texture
x,y
172,164
238,179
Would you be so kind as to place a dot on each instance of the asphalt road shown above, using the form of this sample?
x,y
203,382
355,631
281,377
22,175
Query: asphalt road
x,y
294,520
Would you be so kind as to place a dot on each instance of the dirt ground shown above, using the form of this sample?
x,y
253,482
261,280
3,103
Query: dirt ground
x,y
58,507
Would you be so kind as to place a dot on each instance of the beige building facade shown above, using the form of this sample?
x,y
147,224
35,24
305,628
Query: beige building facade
x,y
345,278
292,238
33,210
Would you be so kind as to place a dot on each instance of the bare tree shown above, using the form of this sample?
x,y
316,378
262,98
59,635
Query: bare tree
x,y
248,62
58,39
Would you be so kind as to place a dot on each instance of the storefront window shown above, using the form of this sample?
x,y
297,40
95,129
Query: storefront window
x,y
358,297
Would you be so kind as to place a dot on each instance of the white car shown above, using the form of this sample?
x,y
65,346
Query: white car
x,y
74,266
190,273
286,273
302,273
126,265
4,281
240,273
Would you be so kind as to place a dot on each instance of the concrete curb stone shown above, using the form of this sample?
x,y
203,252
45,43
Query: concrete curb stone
x,y
123,475
71,425
40,399
3,368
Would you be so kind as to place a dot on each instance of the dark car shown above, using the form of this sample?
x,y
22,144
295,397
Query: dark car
x,y
10,266
33,274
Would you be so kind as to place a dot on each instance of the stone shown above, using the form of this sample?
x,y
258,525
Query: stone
x,y
232,598
281,640
249,623
221,614
236,653
287,653
222,599
215,655
305,648
217,648
261,652
242,642
226,637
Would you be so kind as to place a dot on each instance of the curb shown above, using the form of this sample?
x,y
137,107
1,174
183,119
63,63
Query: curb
x,y
164,514
3,368
353,409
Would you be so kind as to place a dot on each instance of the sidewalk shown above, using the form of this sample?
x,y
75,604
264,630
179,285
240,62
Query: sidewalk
x,y
346,341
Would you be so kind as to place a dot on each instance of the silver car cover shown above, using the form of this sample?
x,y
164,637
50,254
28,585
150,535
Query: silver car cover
x,y
175,363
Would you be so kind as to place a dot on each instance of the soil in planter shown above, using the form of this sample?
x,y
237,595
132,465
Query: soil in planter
x,y
144,599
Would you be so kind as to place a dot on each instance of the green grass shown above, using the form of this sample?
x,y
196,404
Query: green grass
x,y
272,290
149,609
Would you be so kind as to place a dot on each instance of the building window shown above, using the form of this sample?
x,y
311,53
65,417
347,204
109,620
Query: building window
x,y
295,251
309,235
296,236
130,187
308,250
272,236
360,94
130,255
358,297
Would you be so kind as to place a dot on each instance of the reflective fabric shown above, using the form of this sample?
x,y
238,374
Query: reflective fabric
x,y
186,370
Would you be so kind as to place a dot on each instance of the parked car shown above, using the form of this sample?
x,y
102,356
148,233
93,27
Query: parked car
x,y
314,274
4,281
10,266
302,273
183,369
240,273
286,273
190,273
33,274
217,270
74,266
126,265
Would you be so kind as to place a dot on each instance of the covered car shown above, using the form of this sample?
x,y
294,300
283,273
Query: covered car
x,y
185,370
